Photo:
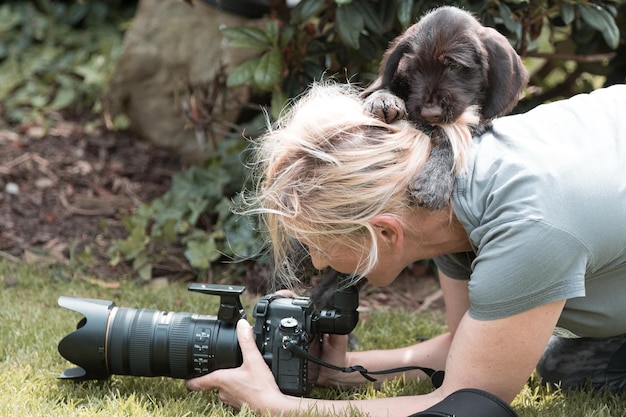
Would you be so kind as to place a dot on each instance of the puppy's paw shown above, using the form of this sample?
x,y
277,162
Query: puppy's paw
x,y
385,106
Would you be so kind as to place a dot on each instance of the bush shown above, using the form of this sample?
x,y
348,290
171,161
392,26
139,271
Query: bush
x,y
191,226
57,55
567,43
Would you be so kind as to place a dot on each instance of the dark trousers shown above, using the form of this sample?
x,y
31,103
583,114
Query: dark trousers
x,y
574,363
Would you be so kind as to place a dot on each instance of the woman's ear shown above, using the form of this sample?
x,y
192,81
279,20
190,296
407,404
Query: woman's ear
x,y
389,231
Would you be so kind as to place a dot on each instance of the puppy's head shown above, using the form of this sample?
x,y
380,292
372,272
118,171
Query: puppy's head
x,y
447,62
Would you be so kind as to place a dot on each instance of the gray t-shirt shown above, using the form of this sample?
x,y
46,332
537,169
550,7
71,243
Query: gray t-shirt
x,y
544,204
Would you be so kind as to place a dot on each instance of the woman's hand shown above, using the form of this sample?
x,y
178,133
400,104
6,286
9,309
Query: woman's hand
x,y
335,351
252,383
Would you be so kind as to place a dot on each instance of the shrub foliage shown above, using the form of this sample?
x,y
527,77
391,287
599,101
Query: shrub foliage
x,y
57,55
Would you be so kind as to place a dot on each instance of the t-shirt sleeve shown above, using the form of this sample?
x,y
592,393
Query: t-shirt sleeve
x,y
524,264
456,265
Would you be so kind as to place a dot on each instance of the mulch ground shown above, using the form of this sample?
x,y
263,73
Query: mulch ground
x,y
63,190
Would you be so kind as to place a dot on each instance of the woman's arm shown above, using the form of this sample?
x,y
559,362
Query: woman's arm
x,y
431,353
499,355
253,384
496,356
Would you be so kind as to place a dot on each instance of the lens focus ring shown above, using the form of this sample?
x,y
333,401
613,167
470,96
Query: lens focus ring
x,y
179,346
140,342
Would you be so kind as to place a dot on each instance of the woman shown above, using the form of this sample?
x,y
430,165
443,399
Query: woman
x,y
534,241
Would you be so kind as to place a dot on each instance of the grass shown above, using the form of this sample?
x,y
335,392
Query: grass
x,y
31,325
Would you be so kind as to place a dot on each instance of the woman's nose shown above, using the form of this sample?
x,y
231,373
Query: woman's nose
x,y
317,259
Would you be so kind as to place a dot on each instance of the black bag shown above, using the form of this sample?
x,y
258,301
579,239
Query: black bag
x,y
469,402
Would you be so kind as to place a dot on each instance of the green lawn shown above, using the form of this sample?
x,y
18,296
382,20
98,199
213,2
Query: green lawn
x,y
31,325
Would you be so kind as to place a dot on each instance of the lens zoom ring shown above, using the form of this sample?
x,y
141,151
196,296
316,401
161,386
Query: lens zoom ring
x,y
140,345
180,346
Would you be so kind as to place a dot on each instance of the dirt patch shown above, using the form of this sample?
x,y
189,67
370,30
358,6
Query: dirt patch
x,y
65,191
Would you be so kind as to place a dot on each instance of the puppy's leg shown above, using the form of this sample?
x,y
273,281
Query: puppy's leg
x,y
385,105
432,187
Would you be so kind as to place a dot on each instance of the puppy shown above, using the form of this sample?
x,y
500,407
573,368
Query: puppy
x,y
431,74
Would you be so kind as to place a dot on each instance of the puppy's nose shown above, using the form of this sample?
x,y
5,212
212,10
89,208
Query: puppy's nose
x,y
432,114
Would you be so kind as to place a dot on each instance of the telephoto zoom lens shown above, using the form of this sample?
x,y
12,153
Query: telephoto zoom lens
x,y
158,343
126,341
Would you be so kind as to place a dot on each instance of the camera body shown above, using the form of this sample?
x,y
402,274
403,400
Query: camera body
x,y
280,321
125,341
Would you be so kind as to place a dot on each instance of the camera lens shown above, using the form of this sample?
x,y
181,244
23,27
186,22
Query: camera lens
x,y
144,342
126,341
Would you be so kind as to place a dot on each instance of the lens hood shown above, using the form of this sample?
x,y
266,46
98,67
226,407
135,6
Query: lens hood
x,y
86,346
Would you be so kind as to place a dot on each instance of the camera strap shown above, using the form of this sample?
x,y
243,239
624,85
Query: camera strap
x,y
436,377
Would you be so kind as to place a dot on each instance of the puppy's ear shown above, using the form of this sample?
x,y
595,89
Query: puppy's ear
x,y
389,65
391,60
506,76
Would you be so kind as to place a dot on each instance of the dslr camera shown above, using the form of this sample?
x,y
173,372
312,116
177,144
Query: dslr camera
x,y
126,341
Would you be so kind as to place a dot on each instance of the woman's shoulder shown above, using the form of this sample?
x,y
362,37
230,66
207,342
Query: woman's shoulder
x,y
606,103
606,100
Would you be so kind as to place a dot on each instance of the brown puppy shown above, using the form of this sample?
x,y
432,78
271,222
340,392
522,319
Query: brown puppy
x,y
432,73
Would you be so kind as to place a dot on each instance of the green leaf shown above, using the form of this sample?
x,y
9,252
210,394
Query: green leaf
x,y
91,75
306,9
121,122
247,37
240,236
568,14
286,36
11,77
313,70
349,25
368,50
134,244
63,98
114,256
75,13
196,207
370,16
267,73
39,100
602,21
272,32
244,73
201,251
507,18
167,232
405,12
143,266
9,19
279,99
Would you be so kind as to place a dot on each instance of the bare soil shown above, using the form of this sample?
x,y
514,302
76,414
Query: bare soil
x,y
65,191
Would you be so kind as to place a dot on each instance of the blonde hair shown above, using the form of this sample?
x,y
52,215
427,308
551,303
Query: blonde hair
x,y
326,168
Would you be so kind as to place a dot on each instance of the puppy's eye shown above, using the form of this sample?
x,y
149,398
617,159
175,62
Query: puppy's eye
x,y
450,62
453,65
